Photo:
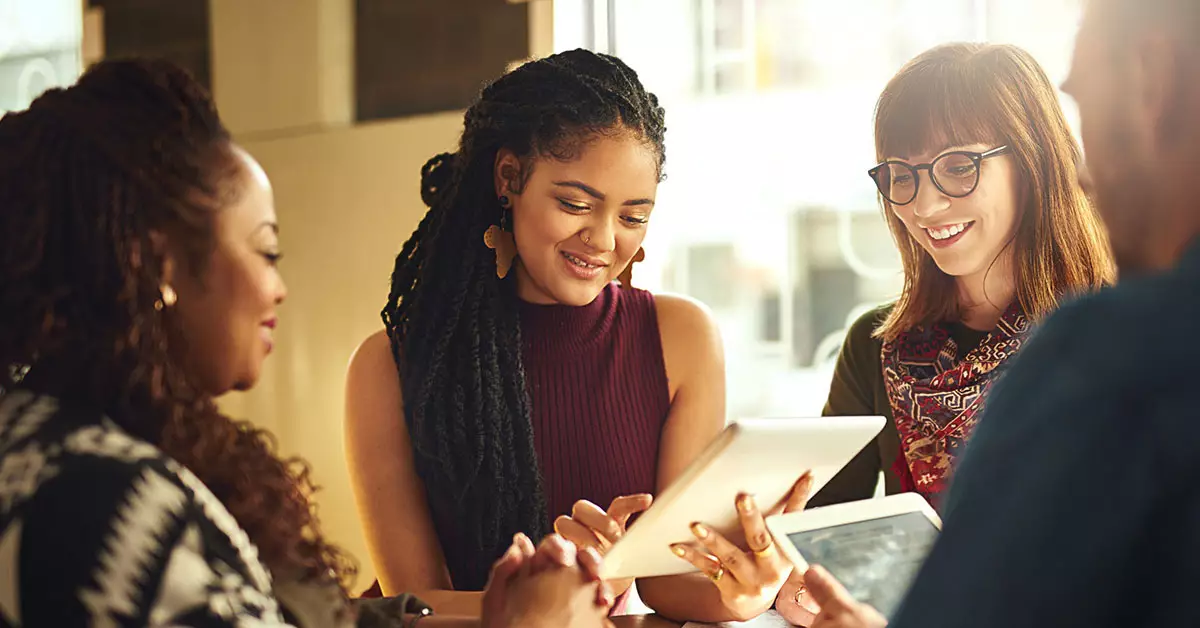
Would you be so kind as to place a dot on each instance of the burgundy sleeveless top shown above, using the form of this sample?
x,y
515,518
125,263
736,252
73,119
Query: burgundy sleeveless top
x,y
597,385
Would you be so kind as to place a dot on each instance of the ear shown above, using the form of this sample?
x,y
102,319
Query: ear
x,y
162,249
509,178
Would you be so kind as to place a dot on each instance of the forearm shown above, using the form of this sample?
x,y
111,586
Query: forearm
x,y
687,597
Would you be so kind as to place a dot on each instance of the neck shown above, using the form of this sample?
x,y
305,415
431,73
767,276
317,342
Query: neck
x,y
527,289
983,296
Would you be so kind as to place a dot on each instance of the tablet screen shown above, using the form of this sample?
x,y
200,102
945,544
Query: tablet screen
x,y
876,560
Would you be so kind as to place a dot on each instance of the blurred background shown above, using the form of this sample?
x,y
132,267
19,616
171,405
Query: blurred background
x,y
767,215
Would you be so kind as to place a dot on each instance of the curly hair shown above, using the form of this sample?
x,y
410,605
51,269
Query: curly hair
x,y
87,174
453,325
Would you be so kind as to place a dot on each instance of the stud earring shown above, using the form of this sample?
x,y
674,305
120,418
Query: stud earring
x,y
167,298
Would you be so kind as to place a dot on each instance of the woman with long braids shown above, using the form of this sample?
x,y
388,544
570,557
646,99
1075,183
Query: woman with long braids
x,y
516,388
138,281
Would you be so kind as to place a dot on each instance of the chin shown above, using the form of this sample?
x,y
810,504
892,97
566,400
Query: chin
x,y
579,295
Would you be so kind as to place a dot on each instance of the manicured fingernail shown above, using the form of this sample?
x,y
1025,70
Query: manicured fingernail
x,y
700,530
679,550
746,503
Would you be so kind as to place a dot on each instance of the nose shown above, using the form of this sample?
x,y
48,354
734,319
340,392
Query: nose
x,y
601,235
281,291
930,200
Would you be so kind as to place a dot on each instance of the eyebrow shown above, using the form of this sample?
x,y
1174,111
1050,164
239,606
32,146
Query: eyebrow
x,y
598,195
938,153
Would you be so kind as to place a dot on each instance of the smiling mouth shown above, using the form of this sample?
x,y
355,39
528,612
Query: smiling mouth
x,y
578,262
948,231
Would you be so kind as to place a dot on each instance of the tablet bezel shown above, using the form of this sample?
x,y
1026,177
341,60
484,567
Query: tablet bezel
x,y
781,526
750,455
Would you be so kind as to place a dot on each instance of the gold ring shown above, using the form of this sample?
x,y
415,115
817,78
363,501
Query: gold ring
x,y
720,573
765,552
800,595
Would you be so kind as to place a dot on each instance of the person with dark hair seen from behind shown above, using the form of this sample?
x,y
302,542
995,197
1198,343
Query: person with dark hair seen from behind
x,y
139,281
1077,503
516,387
978,180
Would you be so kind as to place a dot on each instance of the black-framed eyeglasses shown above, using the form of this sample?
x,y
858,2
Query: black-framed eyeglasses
x,y
955,173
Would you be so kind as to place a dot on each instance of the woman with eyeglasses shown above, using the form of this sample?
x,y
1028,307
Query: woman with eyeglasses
x,y
977,179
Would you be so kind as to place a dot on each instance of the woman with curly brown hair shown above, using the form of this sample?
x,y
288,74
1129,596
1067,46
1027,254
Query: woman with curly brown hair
x,y
138,281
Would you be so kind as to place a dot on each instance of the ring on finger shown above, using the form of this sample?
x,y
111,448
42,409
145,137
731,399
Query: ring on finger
x,y
800,595
765,552
718,574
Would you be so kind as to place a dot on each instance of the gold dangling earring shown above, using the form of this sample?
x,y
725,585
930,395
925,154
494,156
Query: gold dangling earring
x,y
167,299
500,239
626,276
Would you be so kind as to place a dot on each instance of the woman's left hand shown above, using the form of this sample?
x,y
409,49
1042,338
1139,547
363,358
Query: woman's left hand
x,y
747,580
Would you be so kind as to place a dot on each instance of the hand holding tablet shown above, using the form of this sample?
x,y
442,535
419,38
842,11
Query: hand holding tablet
x,y
759,457
746,579
872,547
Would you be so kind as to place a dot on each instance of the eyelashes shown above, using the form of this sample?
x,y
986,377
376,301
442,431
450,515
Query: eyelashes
x,y
633,221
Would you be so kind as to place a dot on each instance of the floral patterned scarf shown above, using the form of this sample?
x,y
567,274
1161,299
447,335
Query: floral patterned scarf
x,y
937,399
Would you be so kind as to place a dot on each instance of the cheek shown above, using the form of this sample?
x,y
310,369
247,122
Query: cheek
x,y
629,241
539,229
905,218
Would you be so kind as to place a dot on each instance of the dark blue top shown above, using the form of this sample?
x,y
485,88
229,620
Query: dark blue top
x,y
1078,500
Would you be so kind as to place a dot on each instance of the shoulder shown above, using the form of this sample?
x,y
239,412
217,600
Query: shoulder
x,y
677,309
1119,332
1123,353
374,351
115,517
685,321
862,330
374,401
860,343
373,364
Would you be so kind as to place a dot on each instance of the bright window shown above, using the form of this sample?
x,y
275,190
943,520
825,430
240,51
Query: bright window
x,y
767,214
39,48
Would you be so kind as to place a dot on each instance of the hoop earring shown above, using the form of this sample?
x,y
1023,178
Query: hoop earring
x,y
626,276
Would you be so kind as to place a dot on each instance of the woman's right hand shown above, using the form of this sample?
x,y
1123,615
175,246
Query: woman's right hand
x,y
795,603
553,585
838,608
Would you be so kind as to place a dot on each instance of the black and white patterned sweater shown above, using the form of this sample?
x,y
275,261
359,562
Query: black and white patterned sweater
x,y
98,528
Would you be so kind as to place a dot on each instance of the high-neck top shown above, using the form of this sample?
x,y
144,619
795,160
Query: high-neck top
x,y
597,385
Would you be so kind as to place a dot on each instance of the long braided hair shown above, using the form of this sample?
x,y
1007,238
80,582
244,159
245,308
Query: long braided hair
x,y
87,174
453,325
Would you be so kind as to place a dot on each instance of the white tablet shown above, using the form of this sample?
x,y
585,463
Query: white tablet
x,y
763,457
874,547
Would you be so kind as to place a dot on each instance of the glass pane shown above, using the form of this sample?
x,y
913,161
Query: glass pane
x,y
766,214
39,48
728,24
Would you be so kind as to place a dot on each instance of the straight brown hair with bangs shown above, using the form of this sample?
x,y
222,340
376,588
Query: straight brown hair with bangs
x,y
966,93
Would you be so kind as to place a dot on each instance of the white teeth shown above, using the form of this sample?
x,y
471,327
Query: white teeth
x,y
578,262
947,232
